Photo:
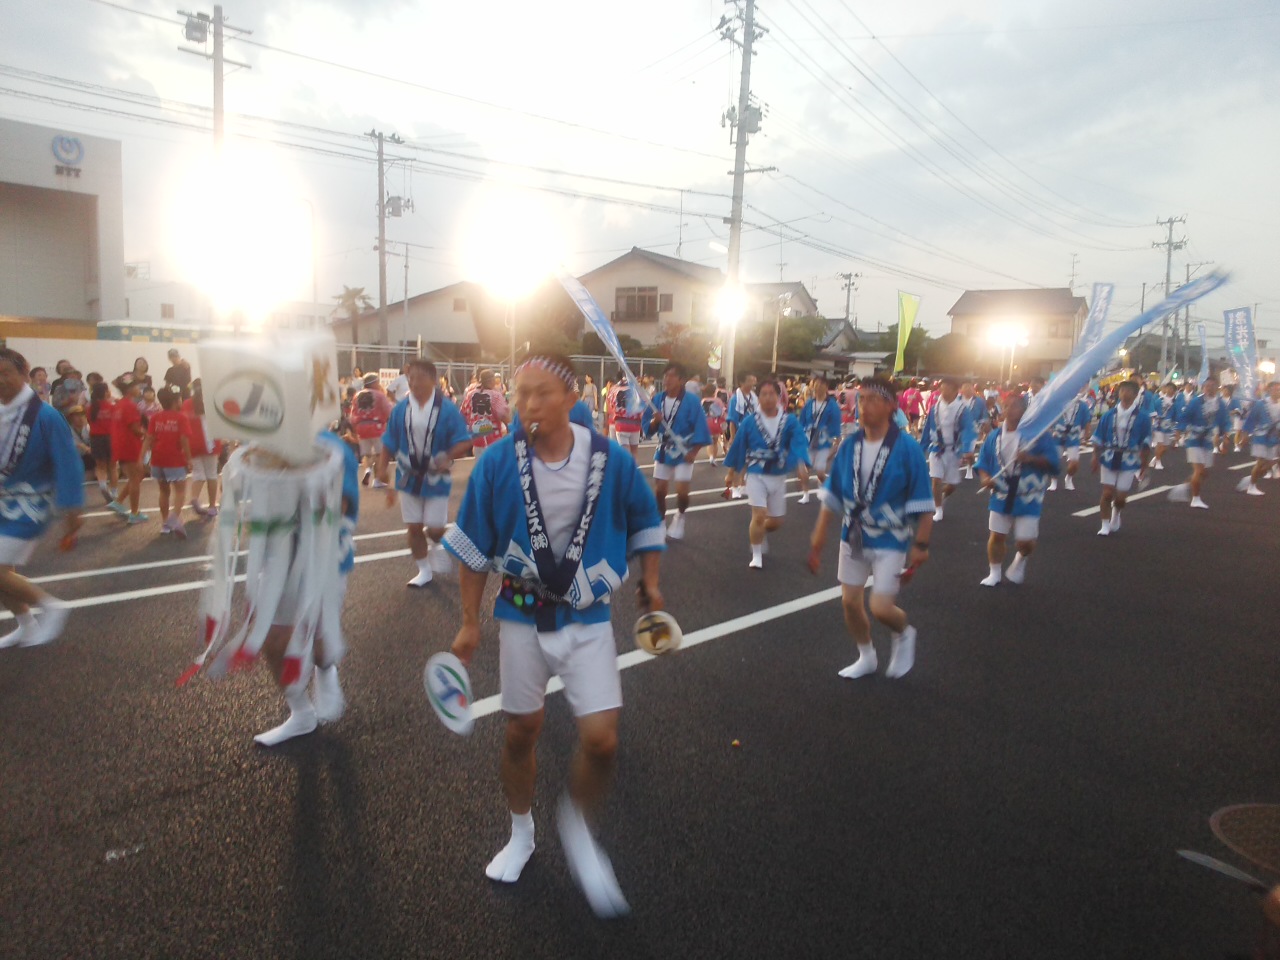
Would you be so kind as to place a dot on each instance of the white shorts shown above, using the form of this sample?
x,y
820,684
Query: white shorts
x,y
370,446
204,467
768,491
431,512
14,551
884,565
1122,480
1024,529
945,466
1200,456
630,438
1261,451
582,655
679,472
1072,453
1161,437
820,459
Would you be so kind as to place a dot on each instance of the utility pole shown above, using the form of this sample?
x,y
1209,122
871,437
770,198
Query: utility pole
x,y
1075,260
850,287
1169,245
743,120
382,234
680,241
196,30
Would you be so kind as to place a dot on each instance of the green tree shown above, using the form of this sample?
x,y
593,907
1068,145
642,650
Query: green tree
x,y
352,302
593,346
680,342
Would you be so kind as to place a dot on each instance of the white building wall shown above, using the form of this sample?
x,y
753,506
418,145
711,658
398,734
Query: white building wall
x,y
685,293
62,238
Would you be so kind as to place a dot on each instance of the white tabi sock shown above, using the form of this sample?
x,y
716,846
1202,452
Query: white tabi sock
x,y
757,556
26,626
424,573
1105,529
53,617
330,704
994,577
937,513
1199,504
1069,483
1053,484
589,865
1115,519
302,719
1017,571
865,665
506,866
903,657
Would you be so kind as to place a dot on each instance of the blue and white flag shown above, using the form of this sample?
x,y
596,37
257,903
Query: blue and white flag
x,y
636,396
1096,323
1050,402
1203,375
1242,348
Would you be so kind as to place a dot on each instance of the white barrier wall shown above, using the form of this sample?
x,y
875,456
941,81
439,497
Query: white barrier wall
x,y
108,357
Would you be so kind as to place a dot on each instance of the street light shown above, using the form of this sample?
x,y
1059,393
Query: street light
x,y
1267,367
1007,335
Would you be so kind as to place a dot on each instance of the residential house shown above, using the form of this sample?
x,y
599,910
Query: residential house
x,y
1048,319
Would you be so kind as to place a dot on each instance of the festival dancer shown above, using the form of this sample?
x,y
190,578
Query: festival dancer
x,y
743,404
820,420
1233,438
948,432
1204,416
766,448
40,471
1262,424
879,485
682,430
1017,479
1122,445
848,398
1167,410
486,412
1070,431
626,414
561,557
976,408
425,434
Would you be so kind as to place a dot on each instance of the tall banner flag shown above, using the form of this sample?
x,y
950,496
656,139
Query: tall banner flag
x,y
1203,375
637,397
1096,323
908,307
1242,348
1049,403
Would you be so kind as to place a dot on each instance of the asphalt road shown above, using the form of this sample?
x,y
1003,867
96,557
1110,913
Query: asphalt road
x,y
1020,793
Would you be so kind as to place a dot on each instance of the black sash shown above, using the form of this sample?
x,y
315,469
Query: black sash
x,y
23,434
1014,474
814,431
863,498
557,576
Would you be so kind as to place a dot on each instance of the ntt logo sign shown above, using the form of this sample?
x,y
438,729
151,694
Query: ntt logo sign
x,y
251,401
68,151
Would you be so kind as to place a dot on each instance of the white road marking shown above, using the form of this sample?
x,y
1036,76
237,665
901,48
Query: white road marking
x,y
1135,496
490,705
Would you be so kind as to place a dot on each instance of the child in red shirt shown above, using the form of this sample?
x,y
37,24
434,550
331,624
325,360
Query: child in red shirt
x,y
101,410
169,443
205,452
126,446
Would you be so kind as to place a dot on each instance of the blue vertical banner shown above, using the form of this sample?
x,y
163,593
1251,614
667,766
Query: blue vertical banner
x,y
1242,348
1096,323
637,398
1203,375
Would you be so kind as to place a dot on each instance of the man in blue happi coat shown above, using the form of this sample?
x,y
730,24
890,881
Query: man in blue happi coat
x,y
1122,447
682,431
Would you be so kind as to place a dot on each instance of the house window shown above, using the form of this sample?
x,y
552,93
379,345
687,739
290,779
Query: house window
x,y
166,311
636,303
664,303
459,304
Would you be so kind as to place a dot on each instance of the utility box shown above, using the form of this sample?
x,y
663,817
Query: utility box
x,y
275,391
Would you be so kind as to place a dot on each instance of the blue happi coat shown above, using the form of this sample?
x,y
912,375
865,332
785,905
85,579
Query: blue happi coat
x,y
351,495
492,531
1019,491
1069,430
686,430
736,409
1122,453
49,473
1167,411
750,449
450,429
1262,427
823,430
964,432
977,406
1199,424
903,491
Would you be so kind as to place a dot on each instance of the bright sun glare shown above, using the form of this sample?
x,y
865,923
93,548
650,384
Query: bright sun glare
x,y
241,232
511,241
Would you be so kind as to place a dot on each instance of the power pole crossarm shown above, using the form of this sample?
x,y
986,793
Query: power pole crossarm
x,y
1169,245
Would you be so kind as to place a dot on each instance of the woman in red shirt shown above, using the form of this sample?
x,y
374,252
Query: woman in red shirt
x,y
101,408
205,452
169,443
126,447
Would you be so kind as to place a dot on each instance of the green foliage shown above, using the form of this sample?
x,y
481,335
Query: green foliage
x,y
352,302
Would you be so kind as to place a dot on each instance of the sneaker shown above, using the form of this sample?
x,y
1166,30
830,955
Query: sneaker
x,y
117,507
137,518
368,475
177,527
211,512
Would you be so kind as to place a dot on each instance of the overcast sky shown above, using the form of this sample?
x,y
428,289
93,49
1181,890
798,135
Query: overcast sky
x,y
949,150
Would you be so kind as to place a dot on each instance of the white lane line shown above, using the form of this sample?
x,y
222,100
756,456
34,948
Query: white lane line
x,y
490,705
143,593
1154,491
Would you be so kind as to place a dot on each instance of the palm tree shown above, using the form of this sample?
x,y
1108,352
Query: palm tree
x,y
353,301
